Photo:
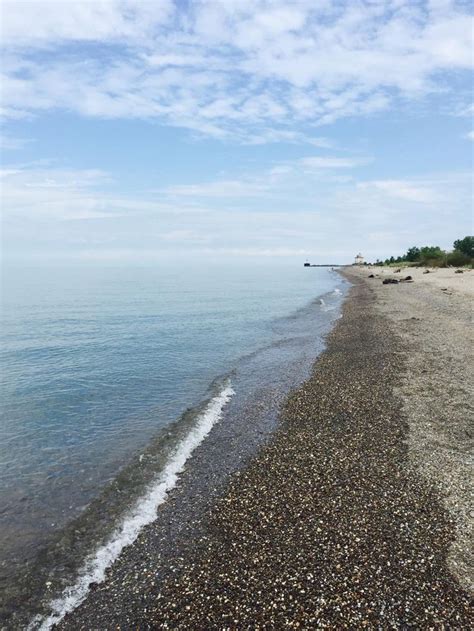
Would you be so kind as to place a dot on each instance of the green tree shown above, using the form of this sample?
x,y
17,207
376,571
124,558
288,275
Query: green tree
x,y
466,246
429,252
413,254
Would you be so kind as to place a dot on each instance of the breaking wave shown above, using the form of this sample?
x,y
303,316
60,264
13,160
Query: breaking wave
x,y
143,513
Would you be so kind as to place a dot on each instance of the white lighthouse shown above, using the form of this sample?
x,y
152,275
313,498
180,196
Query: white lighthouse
x,y
359,259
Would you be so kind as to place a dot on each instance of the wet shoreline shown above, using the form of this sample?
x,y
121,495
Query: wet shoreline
x,y
329,525
249,420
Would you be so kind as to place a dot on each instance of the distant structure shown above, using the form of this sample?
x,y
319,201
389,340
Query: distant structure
x,y
359,259
307,264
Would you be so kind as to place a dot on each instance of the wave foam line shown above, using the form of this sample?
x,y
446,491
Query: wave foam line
x,y
143,513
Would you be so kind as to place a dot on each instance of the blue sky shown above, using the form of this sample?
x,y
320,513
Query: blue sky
x,y
142,132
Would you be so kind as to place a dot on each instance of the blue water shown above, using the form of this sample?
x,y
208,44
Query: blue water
x,y
96,361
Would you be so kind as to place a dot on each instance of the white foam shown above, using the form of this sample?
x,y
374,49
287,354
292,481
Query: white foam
x,y
324,306
337,291
143,513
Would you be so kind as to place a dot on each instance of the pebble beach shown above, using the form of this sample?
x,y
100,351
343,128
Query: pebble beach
x,y
338,521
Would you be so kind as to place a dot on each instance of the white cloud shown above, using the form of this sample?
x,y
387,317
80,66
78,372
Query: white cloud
x,y
470,135
49,22
402,189
464,110
260,252
224,188
11,143
253,70
324,162
270,183
321,142
284,211
186,237
437,199
53,194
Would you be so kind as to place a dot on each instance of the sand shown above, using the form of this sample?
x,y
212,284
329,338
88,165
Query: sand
x,y
343,519
461,283
433,316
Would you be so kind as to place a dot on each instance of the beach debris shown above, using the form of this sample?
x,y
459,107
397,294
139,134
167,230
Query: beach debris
x,y
371,276
427,271
407,279
459,271
390,281
398,270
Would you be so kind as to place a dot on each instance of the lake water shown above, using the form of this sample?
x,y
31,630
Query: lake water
x,y
96,364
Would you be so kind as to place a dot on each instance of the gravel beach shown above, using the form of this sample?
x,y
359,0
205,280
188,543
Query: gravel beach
x,y
338,522
434,317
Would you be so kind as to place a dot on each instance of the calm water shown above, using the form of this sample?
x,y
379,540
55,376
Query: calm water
x,y
96,362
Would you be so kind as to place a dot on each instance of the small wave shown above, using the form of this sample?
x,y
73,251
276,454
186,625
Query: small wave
x,y
324,306
143,513
337,291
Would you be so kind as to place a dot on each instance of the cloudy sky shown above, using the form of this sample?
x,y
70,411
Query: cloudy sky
x,y
141,131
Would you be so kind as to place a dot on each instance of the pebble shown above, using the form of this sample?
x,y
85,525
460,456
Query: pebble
x,y
329,527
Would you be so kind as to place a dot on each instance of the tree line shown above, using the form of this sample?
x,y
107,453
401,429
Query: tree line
x,y
434,256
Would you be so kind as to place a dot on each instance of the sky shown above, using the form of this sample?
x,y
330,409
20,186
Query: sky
x,y
139,132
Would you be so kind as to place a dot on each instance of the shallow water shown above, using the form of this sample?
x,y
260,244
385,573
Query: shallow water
x,y
96,363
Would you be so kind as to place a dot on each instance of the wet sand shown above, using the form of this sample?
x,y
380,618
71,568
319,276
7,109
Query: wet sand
x,y
331,525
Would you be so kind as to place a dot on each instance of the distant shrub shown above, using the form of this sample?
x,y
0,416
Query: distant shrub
x,y
433,256
435,262
458,259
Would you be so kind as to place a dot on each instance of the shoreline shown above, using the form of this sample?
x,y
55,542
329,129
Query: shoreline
x,y
330,524
249,420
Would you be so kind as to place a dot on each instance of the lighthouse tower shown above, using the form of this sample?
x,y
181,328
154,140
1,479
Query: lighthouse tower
x,y
359,259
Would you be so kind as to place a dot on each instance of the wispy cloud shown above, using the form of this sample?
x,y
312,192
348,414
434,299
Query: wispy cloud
x,y
325,162
253,72
11,143
249,70
45,194
222,188
402,189
282,212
